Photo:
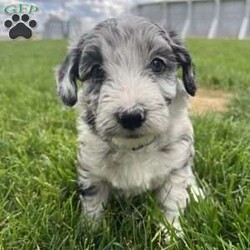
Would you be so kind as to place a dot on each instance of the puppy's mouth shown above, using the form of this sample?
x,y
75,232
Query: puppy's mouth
x,y
132,142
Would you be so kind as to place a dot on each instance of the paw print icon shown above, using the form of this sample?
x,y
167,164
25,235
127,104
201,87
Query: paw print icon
x,y
20,27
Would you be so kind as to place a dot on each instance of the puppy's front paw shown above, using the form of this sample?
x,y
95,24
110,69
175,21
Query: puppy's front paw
x,y
171,232
89,221
93,199
197,193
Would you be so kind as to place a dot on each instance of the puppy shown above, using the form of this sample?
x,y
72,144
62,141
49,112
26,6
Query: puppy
x,y
134,131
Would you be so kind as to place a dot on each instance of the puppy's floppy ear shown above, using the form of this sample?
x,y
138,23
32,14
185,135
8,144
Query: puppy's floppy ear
x,y
185,61
67,75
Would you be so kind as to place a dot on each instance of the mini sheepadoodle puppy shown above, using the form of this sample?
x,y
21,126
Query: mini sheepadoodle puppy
x,y
134,131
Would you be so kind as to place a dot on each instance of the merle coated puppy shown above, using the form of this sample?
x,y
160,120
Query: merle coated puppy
x,y
134,131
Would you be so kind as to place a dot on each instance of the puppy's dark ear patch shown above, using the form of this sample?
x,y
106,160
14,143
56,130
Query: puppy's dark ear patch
x,y
175,38
67,76
185,61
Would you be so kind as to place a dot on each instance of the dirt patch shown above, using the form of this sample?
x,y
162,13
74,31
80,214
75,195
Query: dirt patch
x,y
209,100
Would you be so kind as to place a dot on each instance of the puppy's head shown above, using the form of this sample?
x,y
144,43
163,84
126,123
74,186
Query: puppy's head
x,y
128,67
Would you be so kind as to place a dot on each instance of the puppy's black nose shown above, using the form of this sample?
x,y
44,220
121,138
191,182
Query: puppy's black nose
x,y
131,119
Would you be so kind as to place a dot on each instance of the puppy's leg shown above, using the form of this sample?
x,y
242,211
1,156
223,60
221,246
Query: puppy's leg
x,y
173,196
93,196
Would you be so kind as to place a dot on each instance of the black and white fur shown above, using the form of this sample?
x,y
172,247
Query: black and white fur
x,y
114,63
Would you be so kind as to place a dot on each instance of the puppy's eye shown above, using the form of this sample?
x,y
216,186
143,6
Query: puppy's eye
x,y
97,73
157,65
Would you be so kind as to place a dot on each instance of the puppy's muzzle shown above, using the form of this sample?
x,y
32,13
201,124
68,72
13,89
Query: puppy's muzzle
x,y
131,119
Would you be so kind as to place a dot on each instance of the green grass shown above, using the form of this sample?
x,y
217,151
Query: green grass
x,y
39,208
221,63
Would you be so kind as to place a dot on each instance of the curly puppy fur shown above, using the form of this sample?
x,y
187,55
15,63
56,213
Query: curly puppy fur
x,y
134,131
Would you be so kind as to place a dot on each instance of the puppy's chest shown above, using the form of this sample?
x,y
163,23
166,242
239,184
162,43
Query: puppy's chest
x,y
133,172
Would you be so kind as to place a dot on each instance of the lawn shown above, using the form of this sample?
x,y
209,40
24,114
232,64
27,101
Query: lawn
x,y
39,208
